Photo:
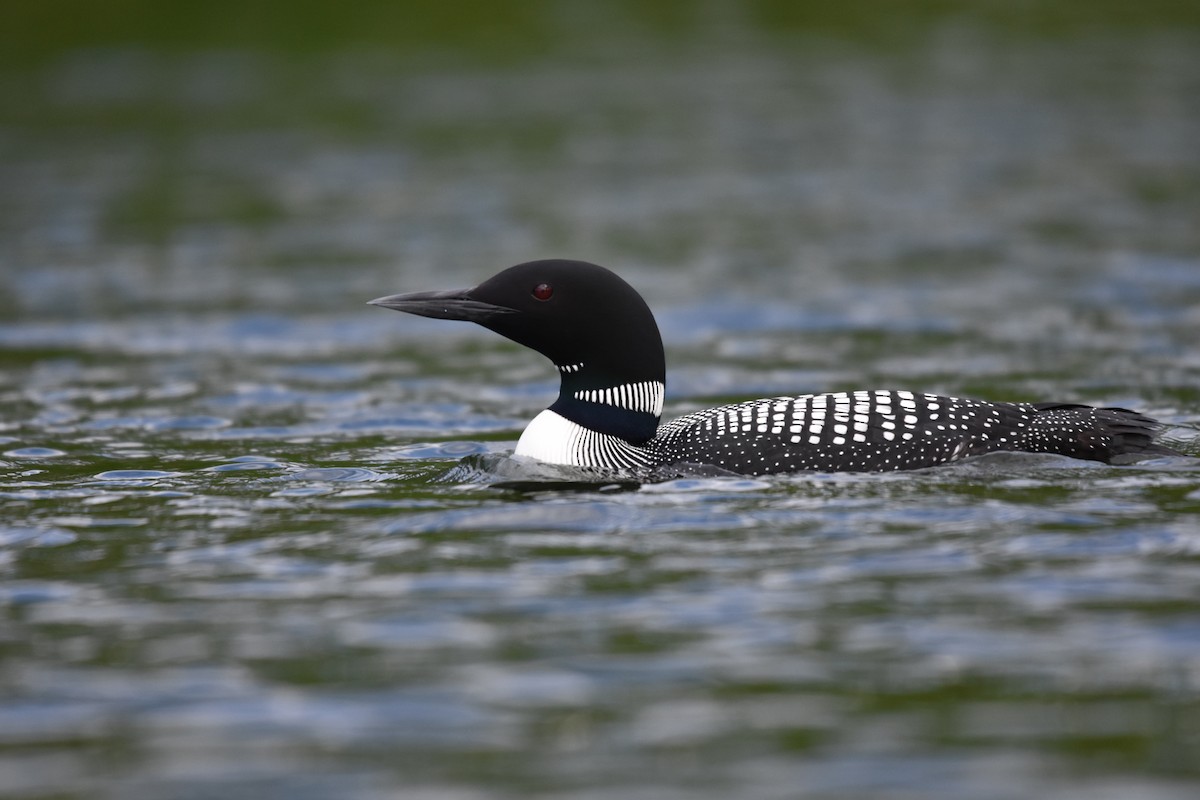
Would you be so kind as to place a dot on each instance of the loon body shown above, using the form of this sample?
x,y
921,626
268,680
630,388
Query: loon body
x,y
602,337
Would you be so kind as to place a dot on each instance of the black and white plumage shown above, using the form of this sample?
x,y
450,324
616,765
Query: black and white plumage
x,y
603,339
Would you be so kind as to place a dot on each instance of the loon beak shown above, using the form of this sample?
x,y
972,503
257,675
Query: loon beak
x,y
454,304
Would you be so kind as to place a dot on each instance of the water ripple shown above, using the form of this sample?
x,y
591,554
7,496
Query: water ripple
x,y
259,540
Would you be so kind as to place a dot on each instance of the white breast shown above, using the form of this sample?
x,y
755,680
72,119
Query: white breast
x,y
553,439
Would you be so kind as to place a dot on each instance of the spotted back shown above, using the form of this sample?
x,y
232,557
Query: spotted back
x,y
867,431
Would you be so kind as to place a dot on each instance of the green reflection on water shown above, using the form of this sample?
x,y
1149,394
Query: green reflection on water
x,y
482,31
257,572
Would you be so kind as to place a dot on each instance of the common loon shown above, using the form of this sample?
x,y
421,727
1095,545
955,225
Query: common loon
x,y
602,337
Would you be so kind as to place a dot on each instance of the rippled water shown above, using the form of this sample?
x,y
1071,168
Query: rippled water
x,y
250,545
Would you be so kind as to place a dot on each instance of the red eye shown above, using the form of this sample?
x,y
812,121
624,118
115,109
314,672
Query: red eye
x,y
543,291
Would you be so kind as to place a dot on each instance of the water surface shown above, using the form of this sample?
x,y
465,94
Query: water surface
x,y
249,541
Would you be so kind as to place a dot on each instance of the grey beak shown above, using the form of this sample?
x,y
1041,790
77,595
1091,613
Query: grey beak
x,y
454,304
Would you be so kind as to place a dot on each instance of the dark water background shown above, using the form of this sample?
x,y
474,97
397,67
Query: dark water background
x,y
241,552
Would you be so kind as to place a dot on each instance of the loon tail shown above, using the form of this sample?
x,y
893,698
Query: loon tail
x,y
1110,435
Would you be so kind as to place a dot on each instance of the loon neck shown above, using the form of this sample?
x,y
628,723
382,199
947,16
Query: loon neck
x,y
628,408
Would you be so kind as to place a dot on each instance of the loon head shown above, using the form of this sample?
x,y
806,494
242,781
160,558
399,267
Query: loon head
x,y
594,327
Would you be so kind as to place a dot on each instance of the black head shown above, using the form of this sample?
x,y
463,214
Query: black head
x,y
594,326
572,312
